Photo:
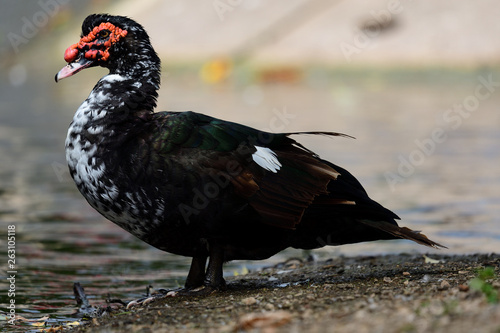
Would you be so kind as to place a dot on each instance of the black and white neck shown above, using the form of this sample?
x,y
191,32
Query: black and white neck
x,y
117,108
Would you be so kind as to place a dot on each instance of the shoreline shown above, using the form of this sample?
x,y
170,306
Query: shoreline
x,y
390,293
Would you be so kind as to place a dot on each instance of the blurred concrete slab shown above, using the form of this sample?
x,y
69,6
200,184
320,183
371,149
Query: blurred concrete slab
x,y
356,32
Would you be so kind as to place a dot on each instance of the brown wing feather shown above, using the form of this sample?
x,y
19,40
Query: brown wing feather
x,y
244,184
403,232
284,196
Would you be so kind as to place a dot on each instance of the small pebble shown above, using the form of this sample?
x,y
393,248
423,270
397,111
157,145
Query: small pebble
x,y
444,285
387,279
293,263
463,287
269,307
372,306
406,273
249,301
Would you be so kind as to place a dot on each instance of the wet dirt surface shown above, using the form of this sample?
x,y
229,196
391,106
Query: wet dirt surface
x,y
393,293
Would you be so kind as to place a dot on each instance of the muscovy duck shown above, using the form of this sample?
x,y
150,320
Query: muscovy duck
x,y
197,186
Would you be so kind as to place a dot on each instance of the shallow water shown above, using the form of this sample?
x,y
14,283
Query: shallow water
x,y
446,185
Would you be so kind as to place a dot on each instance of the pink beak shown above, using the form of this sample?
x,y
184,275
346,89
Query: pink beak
x,y
73,67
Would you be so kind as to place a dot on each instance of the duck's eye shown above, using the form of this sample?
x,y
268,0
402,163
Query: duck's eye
x,y
103,34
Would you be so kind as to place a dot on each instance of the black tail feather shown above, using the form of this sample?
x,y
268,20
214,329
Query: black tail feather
x,y
403,232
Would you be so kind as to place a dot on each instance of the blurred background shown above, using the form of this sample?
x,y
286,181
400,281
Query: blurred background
x,y
416,82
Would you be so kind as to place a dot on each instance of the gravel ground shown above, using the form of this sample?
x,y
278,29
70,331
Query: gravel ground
x,y
393,293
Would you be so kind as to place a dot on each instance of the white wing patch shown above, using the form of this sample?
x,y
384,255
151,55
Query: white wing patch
x,y
267,159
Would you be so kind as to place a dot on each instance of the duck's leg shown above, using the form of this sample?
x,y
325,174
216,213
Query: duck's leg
x,y
213,278
198,282
196,275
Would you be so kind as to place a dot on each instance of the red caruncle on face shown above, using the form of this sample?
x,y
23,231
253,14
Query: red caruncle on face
x,y
97,43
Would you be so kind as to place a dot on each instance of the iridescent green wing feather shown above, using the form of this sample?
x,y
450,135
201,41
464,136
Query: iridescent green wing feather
x,y
209,146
